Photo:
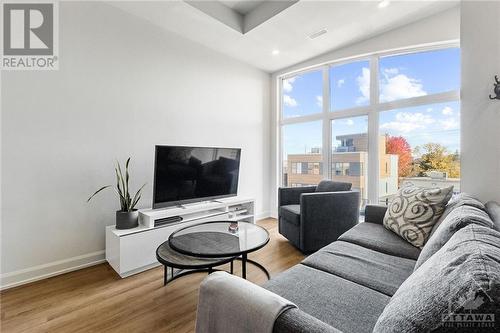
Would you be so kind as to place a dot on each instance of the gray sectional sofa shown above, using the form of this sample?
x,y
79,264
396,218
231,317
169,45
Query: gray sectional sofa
x,y
368,279
346,285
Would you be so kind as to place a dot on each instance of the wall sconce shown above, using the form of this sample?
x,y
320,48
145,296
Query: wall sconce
x,y
496,90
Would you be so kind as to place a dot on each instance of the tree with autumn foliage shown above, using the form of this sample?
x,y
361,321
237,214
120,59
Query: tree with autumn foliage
x,y
398,145
437,157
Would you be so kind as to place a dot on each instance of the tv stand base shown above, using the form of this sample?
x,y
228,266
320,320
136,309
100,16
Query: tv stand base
x,y
122,245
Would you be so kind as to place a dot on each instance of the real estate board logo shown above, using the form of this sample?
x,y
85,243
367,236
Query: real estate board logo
x,y
473,310
30,36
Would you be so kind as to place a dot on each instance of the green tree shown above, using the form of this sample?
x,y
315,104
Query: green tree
x,y
436,157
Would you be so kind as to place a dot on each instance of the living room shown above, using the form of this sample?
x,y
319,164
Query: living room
x,y
250,166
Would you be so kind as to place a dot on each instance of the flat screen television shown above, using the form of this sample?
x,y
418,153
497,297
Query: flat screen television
x,y
192,174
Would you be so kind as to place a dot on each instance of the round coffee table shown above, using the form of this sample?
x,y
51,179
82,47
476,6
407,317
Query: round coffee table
x,y
181,264
220,240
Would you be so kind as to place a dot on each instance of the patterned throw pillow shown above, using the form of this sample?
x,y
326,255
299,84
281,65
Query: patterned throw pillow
x,y
414,210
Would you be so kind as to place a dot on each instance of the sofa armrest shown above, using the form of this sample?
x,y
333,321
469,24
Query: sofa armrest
x,y
375,213
325,216
297,321
291,195
228,303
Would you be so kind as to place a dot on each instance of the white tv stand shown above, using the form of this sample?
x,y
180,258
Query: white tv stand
x,y
132,251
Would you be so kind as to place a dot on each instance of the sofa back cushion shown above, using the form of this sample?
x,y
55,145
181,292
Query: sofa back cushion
x,y
331,186
461,199
493,210
462,277
454,221
414,210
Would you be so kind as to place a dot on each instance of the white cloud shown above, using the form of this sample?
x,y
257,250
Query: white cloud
x,y
289,101
429,110
394,86
391,71
319,101
364,86
288,84
349,122
340,83
450,124
447,111
406,122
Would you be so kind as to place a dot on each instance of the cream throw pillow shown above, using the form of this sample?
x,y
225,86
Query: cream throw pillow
x,y
414,210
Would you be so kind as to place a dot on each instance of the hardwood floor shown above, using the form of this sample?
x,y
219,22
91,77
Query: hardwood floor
x,y
96,299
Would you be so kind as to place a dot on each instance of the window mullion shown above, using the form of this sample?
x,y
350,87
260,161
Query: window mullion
x,y
279,131
327,142
373,133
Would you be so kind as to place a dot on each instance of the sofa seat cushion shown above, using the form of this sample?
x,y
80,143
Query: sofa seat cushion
x,y
341,303
291,213
375,270
375,237
463,277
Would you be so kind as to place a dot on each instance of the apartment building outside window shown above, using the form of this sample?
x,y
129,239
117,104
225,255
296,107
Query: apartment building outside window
x,y
348,169
379,122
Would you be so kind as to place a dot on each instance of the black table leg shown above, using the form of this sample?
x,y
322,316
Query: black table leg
x,y
165,275
244,260
244,266
231,267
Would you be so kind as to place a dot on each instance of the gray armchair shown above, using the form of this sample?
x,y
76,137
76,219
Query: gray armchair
x,y
311,217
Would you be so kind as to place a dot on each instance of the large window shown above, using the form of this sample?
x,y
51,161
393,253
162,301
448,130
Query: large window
x,y
349,85
350,152
302,157
385,121
419,74
422,147
302,94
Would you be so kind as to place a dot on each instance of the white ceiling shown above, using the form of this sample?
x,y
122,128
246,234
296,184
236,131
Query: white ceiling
x,y
242,7
346,21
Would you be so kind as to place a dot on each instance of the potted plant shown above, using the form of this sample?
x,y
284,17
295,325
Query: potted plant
x,y
128,216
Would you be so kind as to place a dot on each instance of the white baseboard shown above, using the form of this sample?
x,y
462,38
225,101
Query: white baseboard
x,y
32,274
262,215
40,272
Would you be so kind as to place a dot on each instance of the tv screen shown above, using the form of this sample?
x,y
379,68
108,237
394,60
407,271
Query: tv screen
x,y
190,174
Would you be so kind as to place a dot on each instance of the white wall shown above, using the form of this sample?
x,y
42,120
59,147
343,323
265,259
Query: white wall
x,y
480,44
122,87
442,27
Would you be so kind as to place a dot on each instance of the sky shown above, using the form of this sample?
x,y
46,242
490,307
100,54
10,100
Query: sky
x,y
400,77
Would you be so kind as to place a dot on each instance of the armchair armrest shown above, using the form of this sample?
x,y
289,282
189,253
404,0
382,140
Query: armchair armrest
x,y
375,213
291,195
325,216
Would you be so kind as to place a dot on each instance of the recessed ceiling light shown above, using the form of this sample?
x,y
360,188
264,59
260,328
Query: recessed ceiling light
x,y
275,52
384,3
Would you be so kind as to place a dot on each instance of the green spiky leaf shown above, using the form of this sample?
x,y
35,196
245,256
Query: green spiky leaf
x,y
137,196
99,190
